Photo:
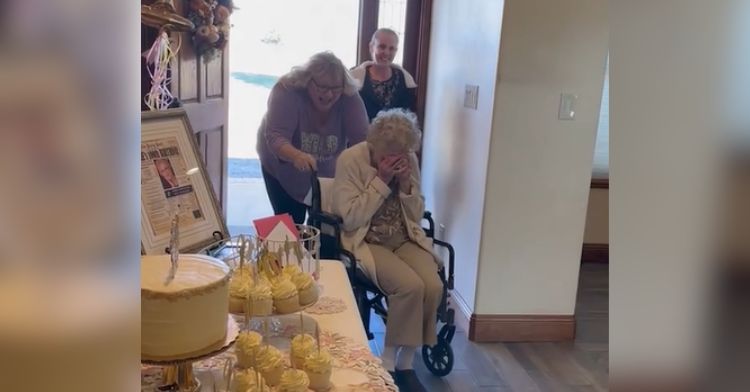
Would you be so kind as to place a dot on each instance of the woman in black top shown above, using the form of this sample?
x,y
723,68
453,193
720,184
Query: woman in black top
x,y
384,85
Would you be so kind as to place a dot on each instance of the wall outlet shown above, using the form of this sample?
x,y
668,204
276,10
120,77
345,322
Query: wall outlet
x,y
471,96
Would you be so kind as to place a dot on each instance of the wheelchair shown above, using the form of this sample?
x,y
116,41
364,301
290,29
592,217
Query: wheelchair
x,y
438,359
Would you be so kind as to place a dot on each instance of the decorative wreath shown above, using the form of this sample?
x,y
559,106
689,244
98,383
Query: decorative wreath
x,y
211,19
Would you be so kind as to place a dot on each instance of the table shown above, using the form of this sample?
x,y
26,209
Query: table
x,y
345,325
335,282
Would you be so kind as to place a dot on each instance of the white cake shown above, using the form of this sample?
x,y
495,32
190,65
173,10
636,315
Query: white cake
x,y
188,314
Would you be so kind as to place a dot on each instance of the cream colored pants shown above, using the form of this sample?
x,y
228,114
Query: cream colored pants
x,y
409,277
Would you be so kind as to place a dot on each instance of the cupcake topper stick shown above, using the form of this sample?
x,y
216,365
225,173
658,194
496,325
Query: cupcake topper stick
x,y
248,311
243,250
277,262
301,324
257,256
174,247
265,329
287,248
298,253
317,336
228,371
255,368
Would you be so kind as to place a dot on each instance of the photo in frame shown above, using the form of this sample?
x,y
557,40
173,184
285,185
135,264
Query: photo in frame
x,y
174,181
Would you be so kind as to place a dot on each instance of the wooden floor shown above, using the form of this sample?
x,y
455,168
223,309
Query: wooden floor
x,y
580,365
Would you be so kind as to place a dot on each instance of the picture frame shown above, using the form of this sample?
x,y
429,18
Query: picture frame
x,y
174,182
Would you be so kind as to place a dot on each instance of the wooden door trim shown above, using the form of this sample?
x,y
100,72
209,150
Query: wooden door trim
x,y
368,23
423,55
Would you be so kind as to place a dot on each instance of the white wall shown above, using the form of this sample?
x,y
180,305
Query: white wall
x,y
540,167
509,180
465,39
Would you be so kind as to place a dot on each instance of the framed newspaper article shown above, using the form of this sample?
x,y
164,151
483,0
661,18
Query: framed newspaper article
x,y
174,181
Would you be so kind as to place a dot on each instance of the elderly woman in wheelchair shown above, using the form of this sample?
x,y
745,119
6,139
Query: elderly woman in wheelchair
x,y
377,194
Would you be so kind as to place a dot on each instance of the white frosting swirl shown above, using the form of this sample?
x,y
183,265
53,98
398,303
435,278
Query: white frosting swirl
x,y
294,381
319,363
283,288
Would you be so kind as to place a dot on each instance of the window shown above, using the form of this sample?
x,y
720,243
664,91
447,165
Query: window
x,y
392,15
601,149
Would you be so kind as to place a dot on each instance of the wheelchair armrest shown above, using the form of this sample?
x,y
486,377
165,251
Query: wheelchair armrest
x,y
335,222
451,260
328,218
430,229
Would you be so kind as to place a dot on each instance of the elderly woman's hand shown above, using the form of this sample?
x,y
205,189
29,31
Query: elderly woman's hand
x,y
403,175
305,162
387,168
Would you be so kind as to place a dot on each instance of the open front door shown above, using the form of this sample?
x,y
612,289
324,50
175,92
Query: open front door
x,y
201,86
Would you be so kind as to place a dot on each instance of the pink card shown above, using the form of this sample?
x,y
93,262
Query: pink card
x,y
276,228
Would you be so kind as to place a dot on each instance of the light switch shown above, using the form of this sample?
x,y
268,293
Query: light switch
x,y
567,107
471,96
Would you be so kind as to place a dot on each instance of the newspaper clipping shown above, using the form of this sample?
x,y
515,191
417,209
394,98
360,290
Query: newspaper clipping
x,y
166,188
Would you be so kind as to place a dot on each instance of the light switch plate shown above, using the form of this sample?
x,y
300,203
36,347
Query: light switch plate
x,y
567,109
471,96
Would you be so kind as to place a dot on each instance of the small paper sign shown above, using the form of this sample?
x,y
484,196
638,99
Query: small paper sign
x,y
276,228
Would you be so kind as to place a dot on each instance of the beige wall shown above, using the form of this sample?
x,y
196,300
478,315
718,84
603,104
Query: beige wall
x,y
509,180
540,167
597,217
465,39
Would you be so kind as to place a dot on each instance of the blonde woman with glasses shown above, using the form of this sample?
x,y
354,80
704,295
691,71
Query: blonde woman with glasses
x,y
314,113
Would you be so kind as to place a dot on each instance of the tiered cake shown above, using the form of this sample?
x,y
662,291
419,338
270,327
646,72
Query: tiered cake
x,y
188,314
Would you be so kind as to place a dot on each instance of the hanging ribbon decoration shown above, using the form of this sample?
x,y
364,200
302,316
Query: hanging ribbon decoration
x,y
158,59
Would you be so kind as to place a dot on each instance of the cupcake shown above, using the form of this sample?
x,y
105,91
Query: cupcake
x,y
246,348
291,270
285,296
247,381
270,363
302,346
261,298
239,289
318,368
306,287
294,381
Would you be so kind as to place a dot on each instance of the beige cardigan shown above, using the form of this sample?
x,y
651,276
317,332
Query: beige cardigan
x,y
358,193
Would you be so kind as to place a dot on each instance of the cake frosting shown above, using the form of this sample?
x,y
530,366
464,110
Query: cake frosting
x,y
246,348
302,346
239,290
291,270
318,367
248,381
294,381
240,283
270,363
285,295
307,289
261,297
186,314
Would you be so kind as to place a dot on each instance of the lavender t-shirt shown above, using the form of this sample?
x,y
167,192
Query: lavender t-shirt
x,y
289,119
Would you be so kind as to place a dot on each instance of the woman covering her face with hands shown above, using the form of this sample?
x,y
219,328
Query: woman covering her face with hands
x,y
377,193
314,113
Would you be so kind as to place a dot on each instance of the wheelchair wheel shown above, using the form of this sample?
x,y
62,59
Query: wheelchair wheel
x,y
438,358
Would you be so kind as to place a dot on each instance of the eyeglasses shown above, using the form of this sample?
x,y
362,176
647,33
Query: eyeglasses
x,y
333,90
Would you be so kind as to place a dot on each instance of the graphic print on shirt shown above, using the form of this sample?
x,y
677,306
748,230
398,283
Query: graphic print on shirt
x,y
322,150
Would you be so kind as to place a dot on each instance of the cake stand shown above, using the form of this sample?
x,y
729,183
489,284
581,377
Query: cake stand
x,y
275,313
178,371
